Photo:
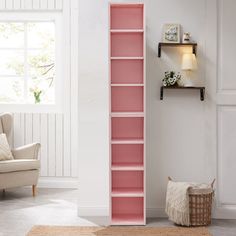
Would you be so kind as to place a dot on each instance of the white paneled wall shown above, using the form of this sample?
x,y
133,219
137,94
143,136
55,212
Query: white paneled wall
x,y
31,5
48,129
226,103
227,150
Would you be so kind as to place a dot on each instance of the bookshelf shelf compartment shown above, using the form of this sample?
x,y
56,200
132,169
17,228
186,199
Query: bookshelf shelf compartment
x,y
127,154
127,71
126,16
127,45
128,210
127,180
127,128
127,99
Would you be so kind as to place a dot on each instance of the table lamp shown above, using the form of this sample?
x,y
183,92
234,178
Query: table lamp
x,y
188,65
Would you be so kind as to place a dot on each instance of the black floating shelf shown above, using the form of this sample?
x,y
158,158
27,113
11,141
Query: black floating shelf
x,y
201,89
193,45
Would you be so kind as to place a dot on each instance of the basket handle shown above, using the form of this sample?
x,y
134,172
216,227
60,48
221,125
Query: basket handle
x,y
169,178
212,184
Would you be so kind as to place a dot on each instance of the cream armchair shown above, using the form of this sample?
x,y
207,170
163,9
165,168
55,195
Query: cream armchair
x,y
23,170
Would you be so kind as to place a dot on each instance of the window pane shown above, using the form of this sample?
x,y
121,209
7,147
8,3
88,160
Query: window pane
x,y
11,90
12,62
41,63
41,91
11,35
42,76
41,35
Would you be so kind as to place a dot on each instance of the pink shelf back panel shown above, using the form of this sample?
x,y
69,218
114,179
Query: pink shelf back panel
x,y
127,219
127,179
127,71
129,206
127,99
127,128
126,44
127,17
130,154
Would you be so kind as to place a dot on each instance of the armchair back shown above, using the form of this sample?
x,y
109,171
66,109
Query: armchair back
x,y
6,124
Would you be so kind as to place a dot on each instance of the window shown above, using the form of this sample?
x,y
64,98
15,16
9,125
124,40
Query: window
x,y
31,62
27,62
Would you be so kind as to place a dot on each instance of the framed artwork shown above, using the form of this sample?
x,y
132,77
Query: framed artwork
x,y
171,33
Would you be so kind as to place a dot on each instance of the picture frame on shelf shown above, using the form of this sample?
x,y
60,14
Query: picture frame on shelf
x,y
171,33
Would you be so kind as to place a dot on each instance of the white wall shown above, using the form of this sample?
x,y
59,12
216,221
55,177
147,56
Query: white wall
x,y
187,139
180,129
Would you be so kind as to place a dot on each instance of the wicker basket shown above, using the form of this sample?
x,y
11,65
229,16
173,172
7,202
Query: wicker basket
x,y
200,209
200,205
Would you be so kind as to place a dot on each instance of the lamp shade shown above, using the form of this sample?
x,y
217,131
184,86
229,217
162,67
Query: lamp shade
x,y
189,61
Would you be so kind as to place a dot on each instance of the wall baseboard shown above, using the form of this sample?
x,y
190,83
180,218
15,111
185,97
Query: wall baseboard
x,y
104,211
93,211
224,212
54,182
156,212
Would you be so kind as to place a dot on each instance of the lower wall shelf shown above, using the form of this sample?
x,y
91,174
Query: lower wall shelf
x,y
201,89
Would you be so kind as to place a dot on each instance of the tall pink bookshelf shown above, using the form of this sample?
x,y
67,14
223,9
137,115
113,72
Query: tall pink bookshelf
x,y
127,114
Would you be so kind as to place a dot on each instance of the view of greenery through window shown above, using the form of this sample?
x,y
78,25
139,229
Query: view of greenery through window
x,y
27,62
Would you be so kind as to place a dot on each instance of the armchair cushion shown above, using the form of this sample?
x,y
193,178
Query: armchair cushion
x,y
5,152
26,152
19,165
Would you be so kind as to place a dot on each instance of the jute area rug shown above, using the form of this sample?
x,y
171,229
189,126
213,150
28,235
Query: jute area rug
x,y
116,231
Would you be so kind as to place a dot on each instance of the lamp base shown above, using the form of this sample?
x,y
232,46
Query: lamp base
x,y
187,82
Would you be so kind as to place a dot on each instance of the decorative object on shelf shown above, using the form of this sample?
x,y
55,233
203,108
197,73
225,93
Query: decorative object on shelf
x,y
171,33
186,37
201,89
171,78
191,44
188,64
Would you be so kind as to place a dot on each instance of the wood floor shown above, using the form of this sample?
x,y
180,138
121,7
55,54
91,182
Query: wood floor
x,y
19,211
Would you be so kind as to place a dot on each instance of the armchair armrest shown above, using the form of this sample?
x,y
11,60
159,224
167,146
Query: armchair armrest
x,y
29,151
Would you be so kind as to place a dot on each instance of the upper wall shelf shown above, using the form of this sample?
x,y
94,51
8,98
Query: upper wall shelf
x,y
193,45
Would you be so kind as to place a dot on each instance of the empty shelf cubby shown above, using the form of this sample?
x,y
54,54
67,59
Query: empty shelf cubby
x,y
127,128
126,17
127,44
124,155
125,182
127,99
127,71
127,210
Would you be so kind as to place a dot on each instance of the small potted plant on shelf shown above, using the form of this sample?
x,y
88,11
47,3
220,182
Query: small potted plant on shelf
x,y
171,78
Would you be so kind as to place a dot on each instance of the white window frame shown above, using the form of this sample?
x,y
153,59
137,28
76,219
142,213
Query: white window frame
x,y
41,17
